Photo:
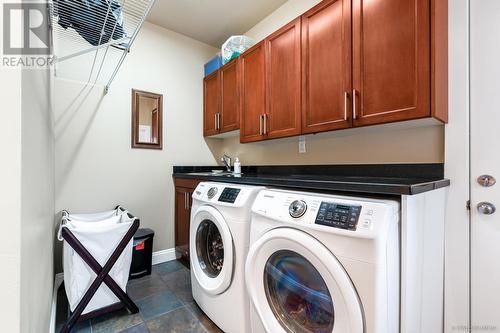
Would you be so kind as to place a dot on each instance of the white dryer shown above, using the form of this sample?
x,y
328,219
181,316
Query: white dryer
x,y
323,264
219,240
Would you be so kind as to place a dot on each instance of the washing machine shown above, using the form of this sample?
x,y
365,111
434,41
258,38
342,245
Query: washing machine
x,y
323,263
219,241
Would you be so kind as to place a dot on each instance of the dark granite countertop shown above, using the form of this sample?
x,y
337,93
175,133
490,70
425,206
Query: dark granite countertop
x,y
388,179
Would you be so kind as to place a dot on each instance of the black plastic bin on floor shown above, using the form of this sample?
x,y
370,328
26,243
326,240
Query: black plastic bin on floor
x,y
143,253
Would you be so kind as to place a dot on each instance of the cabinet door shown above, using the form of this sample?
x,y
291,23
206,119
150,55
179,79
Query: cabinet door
x,y
230,108
326,67
212,103
391,60
283,82
253,93
182,220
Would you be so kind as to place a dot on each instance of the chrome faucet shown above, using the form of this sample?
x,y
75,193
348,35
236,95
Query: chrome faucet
x,y
227,162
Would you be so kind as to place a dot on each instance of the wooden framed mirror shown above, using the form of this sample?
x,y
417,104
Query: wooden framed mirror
x,y
147,120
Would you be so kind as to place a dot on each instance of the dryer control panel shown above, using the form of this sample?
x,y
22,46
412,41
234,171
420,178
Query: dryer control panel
x,y
338,215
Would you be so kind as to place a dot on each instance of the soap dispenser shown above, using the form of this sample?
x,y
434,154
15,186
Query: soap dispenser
x,y
237,166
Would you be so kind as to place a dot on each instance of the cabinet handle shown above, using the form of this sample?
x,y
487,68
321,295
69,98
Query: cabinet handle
x,y
265,124
354,116
346,97
260,124
215,121
218,121
185,201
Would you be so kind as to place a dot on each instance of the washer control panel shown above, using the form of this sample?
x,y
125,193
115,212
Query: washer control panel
x,y
336,215
324,213
229,195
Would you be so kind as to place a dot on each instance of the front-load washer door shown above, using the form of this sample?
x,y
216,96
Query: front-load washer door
x,y
298,286
211,250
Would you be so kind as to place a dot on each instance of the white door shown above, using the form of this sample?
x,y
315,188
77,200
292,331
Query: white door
x,y
485,160
297,285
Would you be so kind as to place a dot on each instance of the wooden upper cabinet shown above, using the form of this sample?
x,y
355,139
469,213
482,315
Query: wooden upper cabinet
x,y
212,103
344,63
253,93
391,60
221,100
439,60
326,67
283,62
230,104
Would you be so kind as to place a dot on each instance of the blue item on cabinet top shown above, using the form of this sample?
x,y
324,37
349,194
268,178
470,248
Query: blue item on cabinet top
x,y
214,64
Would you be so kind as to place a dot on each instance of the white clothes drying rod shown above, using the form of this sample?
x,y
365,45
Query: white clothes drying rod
x,y
91,38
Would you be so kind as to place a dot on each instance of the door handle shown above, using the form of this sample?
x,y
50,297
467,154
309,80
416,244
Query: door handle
x,y
486,180
346,97
486,208
260,125
354,116
265,123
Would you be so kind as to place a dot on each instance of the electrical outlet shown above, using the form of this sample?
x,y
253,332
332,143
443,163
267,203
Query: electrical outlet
x,y
302,144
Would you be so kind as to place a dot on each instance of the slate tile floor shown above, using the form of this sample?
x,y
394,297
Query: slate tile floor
x,y
165,304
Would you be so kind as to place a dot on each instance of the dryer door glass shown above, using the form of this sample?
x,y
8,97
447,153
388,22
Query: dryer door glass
x,y
210,248
297,294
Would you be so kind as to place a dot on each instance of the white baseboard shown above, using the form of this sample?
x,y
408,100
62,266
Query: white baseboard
x,y
163,256
159,257
58,280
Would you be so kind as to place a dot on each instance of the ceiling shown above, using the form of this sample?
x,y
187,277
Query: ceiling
x,y
211,21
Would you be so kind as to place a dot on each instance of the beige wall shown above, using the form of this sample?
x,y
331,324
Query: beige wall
x,y
395,143
281,16
37,202
26,199
10,198
380,144
96,168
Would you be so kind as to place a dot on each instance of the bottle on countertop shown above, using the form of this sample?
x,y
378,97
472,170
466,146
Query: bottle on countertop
x,y
237,166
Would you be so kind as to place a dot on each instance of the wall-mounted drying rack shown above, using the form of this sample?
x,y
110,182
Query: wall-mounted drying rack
x,y
91,38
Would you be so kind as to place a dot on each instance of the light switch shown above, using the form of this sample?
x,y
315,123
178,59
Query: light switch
x,y
302,144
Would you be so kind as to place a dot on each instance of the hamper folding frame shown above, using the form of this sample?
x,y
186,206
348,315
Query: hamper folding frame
x,y
102,277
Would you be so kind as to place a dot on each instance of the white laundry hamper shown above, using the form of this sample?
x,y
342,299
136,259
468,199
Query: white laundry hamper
x,y
100,234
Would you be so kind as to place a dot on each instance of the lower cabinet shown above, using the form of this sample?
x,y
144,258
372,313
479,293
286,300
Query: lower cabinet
x,y
184,189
